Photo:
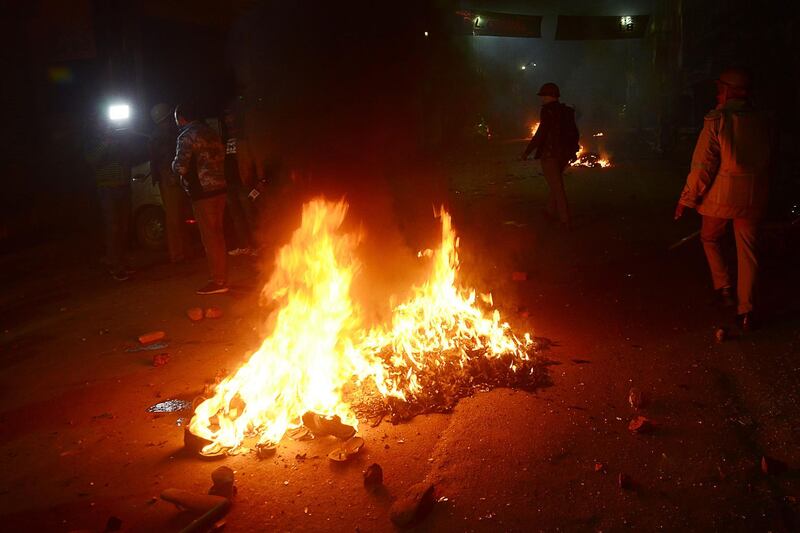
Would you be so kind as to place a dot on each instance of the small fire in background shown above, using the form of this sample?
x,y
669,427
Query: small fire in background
x,y
590,160
534,128
598,134
440,344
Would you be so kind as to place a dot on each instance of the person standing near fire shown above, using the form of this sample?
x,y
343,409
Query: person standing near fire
x,y
729,181
199,161
556,144
162,152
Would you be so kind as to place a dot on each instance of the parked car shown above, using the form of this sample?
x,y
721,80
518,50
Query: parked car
x,y
149,224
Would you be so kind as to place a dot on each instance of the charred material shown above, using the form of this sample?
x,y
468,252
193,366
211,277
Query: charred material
x,y
441,387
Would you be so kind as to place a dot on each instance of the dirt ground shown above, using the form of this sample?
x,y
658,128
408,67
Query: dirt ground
x,y
78,445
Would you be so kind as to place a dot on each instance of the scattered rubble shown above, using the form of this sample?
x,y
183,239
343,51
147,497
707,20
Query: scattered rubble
x,y
152,337
195,314
185,500
636,398
213,312
223,479
160,359
373,477
212,507
347,450
147,347
170,406
266,449
640,424
414,505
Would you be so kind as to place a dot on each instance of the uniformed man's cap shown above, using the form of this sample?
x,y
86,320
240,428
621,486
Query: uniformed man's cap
x,y
549,89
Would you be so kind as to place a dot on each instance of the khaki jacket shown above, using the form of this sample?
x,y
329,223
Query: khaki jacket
x,y
729,177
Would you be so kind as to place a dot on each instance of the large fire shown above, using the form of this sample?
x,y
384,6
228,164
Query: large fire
x,y
319,345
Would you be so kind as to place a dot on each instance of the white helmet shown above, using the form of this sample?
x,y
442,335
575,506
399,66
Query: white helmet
x,y
160,112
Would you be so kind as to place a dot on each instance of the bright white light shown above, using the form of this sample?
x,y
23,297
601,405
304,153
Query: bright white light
x,y
477,21
534,64
626,21
426,34
523,67
119,112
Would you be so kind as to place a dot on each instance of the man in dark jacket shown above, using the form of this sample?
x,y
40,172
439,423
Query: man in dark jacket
x,y
199,161
556,143
162,152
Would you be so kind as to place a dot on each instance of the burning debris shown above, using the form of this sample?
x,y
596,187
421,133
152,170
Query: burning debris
x,y
590,160
320,364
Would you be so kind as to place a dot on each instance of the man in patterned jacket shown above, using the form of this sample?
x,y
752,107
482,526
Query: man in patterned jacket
x,y
729,181
199,161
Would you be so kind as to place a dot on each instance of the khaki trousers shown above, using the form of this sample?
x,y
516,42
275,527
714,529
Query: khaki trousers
x,y
174,199
553,170
745,231
210,213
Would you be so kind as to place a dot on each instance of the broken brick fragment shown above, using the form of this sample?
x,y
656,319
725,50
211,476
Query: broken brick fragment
x,y
151,337
640,424
195,314
213,312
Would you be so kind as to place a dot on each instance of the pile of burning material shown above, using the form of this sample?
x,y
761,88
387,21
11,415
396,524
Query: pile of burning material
x,y
441,346
319,359
590,160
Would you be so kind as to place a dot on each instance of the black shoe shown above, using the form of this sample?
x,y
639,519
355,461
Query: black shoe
x,y
726,297
212,288
747,322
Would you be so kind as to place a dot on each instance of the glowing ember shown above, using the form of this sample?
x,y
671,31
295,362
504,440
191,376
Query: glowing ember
x,y
598,134
318,346
534,128
590,159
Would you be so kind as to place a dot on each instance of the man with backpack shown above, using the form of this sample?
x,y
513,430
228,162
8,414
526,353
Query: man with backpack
x,y
556,144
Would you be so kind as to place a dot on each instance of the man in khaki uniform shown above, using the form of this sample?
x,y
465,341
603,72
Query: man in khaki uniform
x,y
729,180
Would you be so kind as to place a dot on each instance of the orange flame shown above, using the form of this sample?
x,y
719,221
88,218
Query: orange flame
x,y
318,345
582,160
